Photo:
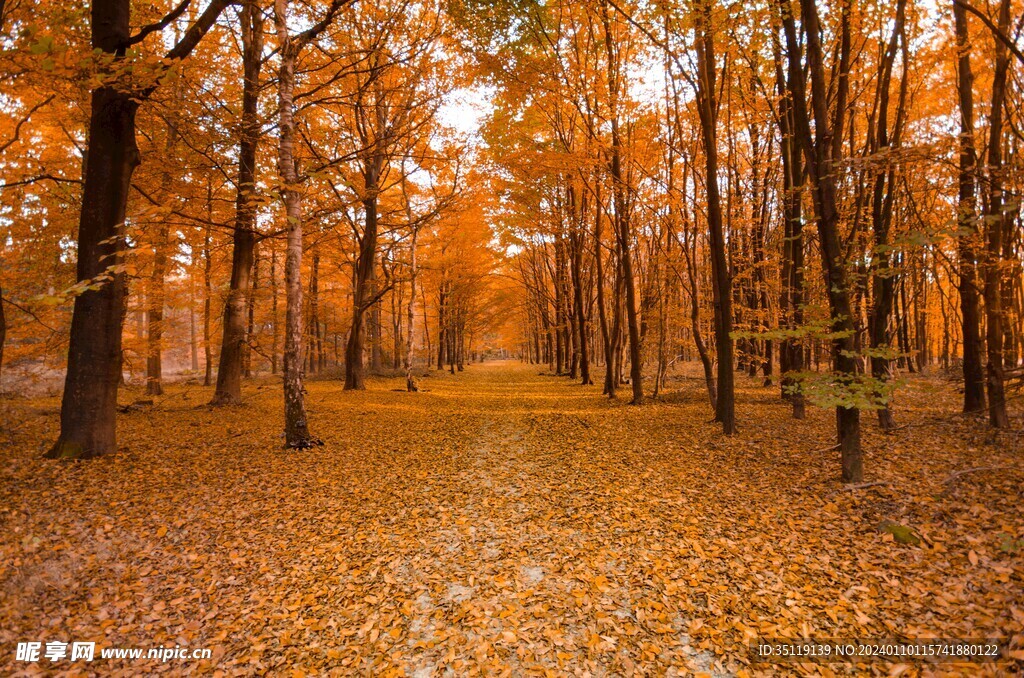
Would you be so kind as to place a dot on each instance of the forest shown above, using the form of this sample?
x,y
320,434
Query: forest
x,y
511,337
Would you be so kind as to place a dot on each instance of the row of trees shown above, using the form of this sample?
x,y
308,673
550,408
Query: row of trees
x,y
765,189
758,184
292,191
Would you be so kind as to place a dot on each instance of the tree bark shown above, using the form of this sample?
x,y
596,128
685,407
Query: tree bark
x,y
994,226
689,247
621,218
725,403
821,152
296,426
3,336
229,372
250,311
89,404
410,381
207,296
155,314
791,350
609,381
883,195
576,267
364,279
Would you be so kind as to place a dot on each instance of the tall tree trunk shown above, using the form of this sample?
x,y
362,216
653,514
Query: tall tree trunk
x,y
364,279
621,217
821,153
89,404
157,282
229,372
192,330
296,427
725,405
995,224
250,323
882,278
576,267
312,355
689,247
791,350
410,381
441,323
761,215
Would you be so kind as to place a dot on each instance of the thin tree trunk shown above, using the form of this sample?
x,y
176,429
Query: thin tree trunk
x,y
577,284
207,294
725,405
3,337
994,226
155,315
791,350
882,279
274,287
192,330
410,381
821,154
250,323
690,252
609,385
621,217
312,357
296,426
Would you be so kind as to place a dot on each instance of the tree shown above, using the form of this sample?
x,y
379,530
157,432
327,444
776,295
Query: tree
x,y
996,216
725,402
882,200
229,372
821,150
88,407
296,426
620,215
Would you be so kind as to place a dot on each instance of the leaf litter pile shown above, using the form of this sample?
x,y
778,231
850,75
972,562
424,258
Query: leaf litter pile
x,y
502,522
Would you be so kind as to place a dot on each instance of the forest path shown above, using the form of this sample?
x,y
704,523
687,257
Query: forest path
x,y
498,520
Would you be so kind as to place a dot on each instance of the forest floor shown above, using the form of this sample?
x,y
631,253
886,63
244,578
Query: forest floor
x,y
504,521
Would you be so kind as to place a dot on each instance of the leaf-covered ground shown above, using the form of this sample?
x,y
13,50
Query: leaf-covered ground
x,y
506,522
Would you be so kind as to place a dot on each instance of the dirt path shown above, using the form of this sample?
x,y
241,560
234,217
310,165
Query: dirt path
x,y
497,522
529,530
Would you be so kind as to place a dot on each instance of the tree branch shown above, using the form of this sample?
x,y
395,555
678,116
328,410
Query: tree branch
x,y
21,123
999,35
314,31
158,26
26,311
41,177
198,29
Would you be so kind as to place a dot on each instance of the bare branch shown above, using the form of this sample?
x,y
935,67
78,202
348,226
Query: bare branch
x,y
17,128
999,35
157,26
